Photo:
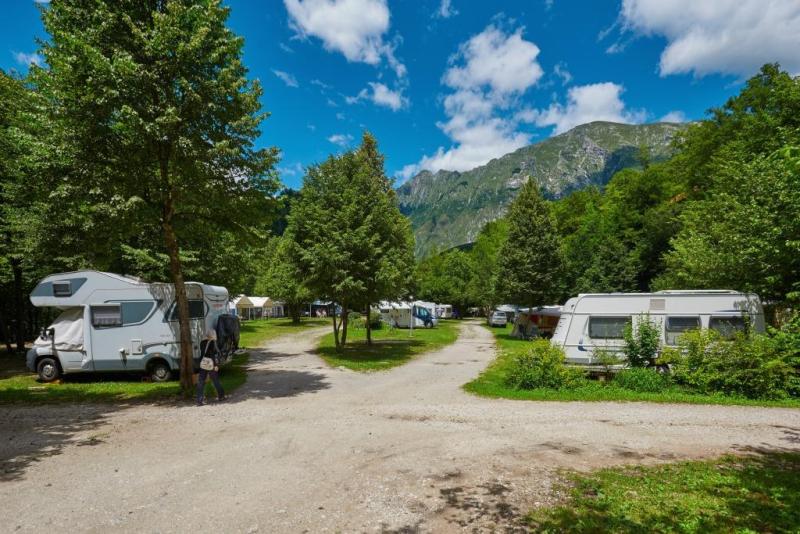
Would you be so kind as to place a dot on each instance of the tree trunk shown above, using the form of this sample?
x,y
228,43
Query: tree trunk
x,y
4,334
176,270
294,311
369,326
19,312
344,324
335,330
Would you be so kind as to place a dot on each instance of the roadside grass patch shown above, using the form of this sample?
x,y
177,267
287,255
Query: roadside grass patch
x,y
254,333
731,494
390,347
18,385
494,382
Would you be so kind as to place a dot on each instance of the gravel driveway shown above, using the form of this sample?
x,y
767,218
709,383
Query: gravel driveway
x,y
302,447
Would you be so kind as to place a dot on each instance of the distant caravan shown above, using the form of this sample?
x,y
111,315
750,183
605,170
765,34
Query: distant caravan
x,y
595,322
118,323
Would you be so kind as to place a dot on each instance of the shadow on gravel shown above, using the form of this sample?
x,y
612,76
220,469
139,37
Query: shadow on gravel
x,y
31,434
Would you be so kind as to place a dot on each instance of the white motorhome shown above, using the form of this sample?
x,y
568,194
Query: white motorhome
x,y
593,322
444,311
400,314
111,322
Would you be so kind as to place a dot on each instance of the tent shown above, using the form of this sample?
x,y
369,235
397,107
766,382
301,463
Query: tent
x,y
536,322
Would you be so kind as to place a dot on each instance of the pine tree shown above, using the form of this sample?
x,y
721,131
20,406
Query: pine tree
x,y
530,263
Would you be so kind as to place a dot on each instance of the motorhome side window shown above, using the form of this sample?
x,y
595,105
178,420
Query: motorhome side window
x,y
727,326
197,310
107,316
62,289
676,326
607,327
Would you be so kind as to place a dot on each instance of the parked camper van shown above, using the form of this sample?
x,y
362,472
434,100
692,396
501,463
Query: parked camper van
x,y
117,323
401,314
597,320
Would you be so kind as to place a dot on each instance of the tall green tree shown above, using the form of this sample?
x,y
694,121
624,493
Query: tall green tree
x,y
390,263
353,246
153,102
530,264
282,278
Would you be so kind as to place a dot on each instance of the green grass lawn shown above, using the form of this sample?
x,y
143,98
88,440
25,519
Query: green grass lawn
x,y
390,348
18,385
255,333
731,494
491,383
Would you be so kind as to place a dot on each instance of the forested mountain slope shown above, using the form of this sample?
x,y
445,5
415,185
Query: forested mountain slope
x,y
449,208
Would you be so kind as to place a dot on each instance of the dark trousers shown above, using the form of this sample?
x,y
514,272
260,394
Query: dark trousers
x,y
201,384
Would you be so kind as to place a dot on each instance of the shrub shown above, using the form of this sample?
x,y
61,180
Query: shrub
x,y
542,366
642,380
643,343
754,367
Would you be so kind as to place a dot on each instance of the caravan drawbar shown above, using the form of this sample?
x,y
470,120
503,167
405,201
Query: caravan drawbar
x,y
595,322
110,322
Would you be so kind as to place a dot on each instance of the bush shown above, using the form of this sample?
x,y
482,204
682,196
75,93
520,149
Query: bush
x,y
361,321
642,380
542,366
754,367
642,344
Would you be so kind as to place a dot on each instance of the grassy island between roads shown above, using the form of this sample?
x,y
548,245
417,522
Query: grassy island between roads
x,y
390,346
492,382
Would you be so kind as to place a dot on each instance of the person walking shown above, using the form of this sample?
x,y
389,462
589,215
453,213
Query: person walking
x,y
209,367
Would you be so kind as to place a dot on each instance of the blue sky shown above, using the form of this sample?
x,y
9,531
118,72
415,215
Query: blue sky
x,y
453,83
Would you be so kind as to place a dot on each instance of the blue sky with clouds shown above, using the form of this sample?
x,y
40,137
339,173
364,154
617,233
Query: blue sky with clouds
x,y
451,84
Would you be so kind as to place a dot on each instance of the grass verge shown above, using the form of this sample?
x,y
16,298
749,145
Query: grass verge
x,y
390,347
732,494
491,383
18,385
254,333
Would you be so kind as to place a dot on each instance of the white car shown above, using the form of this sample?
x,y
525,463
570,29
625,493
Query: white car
x,y
498,318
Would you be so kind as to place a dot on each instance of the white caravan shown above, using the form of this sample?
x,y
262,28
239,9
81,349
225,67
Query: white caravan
x,y
444,311
111,322
399,314
596,321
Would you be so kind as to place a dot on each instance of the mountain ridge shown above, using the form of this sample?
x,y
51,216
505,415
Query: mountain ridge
x,y
448,208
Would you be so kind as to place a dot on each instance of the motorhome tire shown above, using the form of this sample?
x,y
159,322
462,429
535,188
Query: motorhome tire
x,y
160,371
48,369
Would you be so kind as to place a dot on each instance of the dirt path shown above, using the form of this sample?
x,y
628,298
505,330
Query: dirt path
x,y
302,447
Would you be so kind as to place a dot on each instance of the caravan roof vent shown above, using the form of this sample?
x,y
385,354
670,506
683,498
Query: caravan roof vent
x,y
658,304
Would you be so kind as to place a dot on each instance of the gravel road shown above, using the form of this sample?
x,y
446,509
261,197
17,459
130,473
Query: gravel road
x,y
303,447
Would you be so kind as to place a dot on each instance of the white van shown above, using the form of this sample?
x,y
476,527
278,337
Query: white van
x,y
597,320
118,323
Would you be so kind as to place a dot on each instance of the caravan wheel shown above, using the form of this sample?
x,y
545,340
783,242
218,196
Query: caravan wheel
x,y
160,371
48,369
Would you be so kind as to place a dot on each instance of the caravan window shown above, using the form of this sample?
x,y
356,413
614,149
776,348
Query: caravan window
x,y
136,312
727,326
106,316
197,310
62,289
676,326
607,327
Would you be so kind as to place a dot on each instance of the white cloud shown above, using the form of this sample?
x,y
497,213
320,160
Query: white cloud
x,y
340,116
674,116
588,103
724,36
312,127
286,48
487,75
285,77
28,59
380,95
354,28
294,169
319,83
343,140
446,10
561,71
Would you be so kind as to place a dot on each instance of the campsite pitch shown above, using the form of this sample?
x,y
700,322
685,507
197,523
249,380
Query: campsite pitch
x,y
303,446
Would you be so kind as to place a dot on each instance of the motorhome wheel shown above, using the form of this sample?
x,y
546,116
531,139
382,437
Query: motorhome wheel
x,y
48,369
160,372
